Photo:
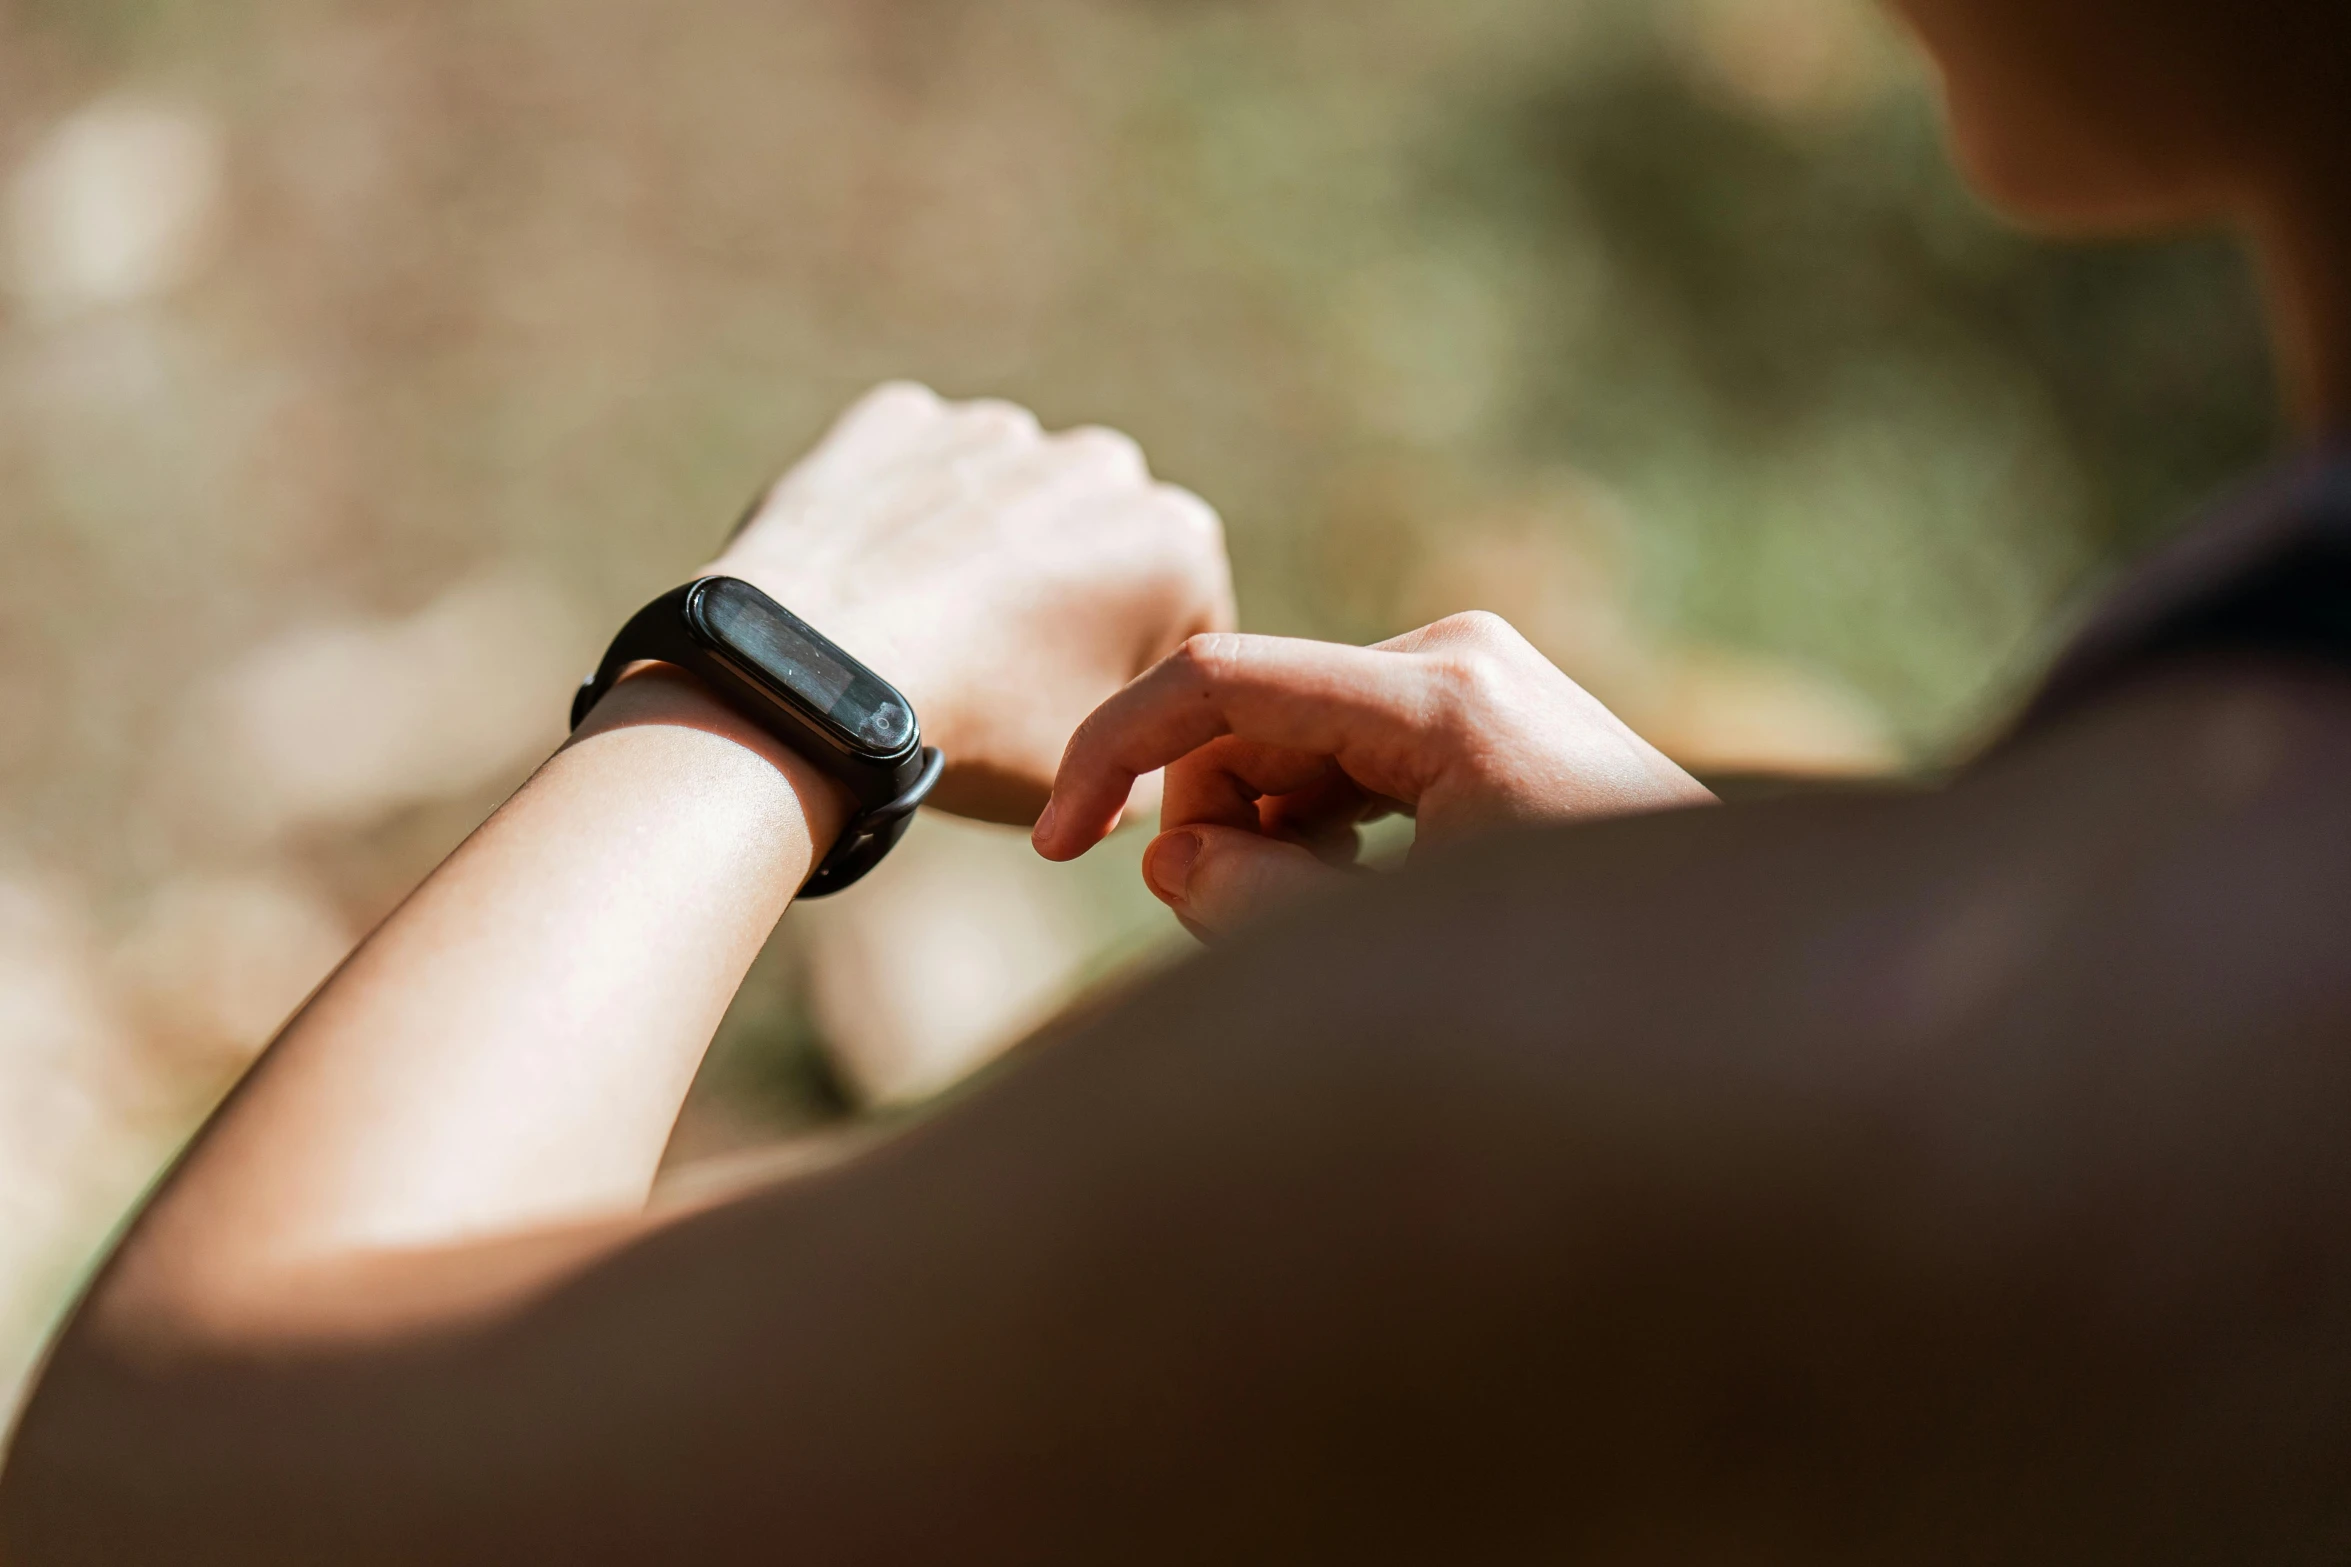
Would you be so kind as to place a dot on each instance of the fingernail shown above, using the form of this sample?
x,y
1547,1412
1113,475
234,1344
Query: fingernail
x,y
1169,865
1043,831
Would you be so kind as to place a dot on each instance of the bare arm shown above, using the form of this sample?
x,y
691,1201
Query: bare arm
x,y
476,1102
509,1050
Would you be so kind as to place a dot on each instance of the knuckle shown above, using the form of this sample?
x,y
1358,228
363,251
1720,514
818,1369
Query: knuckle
x,y
1210,655
1477,677
1196,520
994,418
1482,658
898,399
1099,447
1480,628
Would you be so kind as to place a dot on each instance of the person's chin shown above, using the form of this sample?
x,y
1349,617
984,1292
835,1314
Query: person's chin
x,y
2077,194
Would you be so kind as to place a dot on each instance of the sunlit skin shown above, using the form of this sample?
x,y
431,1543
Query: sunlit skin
x,y
1953,1175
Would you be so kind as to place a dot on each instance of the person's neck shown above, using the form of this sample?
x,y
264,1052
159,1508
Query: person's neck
x,y
2304,241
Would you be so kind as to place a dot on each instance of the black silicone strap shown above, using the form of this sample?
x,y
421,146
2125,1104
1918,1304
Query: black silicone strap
x,y
657,633
866,840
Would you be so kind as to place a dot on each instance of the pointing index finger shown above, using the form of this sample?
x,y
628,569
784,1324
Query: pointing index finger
x,y
1309,696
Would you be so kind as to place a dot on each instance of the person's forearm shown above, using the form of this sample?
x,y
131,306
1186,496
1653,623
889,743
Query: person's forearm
x,y
511,1047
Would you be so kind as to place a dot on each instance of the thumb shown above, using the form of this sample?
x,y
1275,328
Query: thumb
x,y
1216,878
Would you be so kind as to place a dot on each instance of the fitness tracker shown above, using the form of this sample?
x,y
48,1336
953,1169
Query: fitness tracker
x,y
785,676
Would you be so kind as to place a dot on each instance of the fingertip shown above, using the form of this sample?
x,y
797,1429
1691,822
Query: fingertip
x,y
1167,865
1063,830
1043,837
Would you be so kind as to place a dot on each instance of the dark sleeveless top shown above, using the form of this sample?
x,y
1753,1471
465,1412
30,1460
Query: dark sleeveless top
x,y
2269,573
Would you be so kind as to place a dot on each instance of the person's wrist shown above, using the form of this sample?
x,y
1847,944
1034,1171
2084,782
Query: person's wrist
x,y
663,695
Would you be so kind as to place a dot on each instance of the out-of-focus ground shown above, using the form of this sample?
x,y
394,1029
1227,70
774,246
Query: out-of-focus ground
x,y
361,365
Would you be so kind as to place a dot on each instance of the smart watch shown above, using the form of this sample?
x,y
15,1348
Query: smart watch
x,y
788,678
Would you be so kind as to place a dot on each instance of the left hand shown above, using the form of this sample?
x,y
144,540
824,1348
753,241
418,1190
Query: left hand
x,y
1004,579
1276,749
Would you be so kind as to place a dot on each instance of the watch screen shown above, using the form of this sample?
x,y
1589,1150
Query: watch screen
x,y
861,709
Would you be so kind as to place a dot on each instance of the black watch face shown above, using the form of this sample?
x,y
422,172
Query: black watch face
x,y
856,706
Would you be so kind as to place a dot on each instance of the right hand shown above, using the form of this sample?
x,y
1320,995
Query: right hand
x,y
1276,749
1006,580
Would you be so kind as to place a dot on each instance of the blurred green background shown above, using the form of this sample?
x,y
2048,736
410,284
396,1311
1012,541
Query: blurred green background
x,y
362,364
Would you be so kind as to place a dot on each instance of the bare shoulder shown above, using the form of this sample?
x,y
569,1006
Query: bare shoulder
x,y
2180,856
1923,1171
1914,1177
2107,956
